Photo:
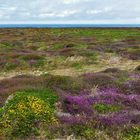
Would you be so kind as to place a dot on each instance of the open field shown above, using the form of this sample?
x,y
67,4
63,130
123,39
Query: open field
x,y
78,83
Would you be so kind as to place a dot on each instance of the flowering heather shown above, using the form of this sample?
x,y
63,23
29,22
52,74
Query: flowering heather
x,y
135,76
110,97
77,104
73,120
79,100
131,87
120,118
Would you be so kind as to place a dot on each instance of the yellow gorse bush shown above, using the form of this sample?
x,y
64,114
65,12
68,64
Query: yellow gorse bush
x,y
24,116
133,134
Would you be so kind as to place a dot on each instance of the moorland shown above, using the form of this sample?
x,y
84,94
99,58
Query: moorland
x,y
76,83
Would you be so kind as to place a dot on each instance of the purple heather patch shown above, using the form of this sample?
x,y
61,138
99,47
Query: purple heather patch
x,y
83,104
78,104
120,118
135,76
73,120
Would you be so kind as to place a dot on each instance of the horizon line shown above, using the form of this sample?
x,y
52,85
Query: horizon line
x,y
75,23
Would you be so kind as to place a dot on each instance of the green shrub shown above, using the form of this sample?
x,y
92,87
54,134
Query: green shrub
x,y
77,65
132,134
121,77
81,46
58,46
32,56
83,131
63,82
6,46
46,95
40,63
25,116
9,66
104,108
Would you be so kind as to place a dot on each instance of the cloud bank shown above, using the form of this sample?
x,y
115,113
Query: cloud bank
x,y
70,11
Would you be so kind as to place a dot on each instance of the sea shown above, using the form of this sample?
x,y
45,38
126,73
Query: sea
x,y
69,25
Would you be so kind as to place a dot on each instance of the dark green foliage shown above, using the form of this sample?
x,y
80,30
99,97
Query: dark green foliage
x,y
9,66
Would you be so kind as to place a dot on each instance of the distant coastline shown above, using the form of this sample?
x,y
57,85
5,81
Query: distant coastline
x,y
69,25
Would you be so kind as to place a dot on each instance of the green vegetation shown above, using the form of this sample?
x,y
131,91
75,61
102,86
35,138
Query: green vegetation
x,y
77,83
10,66
105,108
132,133
47,95
43,48
84,132
5,46
24,116
76,65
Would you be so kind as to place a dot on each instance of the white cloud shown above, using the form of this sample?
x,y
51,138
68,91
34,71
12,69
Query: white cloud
x,y
66,13
73,1
99,11
44,15
63,14
70,11
94,11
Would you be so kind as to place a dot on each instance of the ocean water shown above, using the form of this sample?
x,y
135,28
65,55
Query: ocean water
x,y
69,25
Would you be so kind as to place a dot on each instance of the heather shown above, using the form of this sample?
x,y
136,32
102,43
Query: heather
x,y
81,84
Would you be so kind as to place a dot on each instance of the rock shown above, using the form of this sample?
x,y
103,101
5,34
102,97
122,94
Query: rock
x,y
62,114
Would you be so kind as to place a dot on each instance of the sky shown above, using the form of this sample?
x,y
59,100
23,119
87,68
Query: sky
x,y
70,11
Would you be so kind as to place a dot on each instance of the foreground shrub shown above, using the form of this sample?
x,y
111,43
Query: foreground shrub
x,y
25,116
46,95
132,133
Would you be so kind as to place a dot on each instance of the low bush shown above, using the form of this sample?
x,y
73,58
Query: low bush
x,y
104,108
11,65
99,79
132,134
26,116
84,131
46,95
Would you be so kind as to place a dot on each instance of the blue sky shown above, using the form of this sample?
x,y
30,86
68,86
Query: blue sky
x,y
70,11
